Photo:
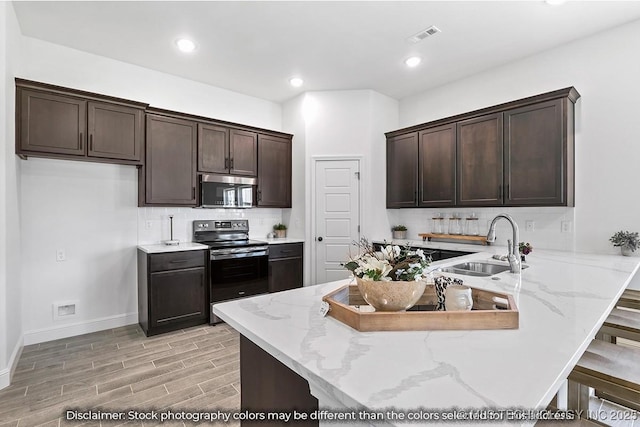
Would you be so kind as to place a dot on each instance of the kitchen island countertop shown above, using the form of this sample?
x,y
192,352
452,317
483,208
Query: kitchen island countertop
x,y
563,299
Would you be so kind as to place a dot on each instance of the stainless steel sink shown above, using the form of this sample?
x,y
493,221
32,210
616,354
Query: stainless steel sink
x,y
478,268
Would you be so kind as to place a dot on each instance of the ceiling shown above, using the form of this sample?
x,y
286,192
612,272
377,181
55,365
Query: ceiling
x,y
255,47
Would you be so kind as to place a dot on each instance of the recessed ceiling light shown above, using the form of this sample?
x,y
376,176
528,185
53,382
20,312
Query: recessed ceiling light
x,y
185,45
296,81
413,61
555,2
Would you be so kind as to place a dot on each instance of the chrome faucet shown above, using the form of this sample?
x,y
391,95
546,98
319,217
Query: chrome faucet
x,y
513,257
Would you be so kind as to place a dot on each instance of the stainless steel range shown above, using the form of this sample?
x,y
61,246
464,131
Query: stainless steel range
x,y
239,267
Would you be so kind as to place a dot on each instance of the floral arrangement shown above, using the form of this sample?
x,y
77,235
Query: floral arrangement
x,y
392,263
279,226
525,248
399,228
626,239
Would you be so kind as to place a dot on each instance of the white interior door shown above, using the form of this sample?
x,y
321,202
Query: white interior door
x,y
337,216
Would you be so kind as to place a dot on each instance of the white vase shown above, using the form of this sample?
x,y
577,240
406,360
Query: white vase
x,y
626,251
458,298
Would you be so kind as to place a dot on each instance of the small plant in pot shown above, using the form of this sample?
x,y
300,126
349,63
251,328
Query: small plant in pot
x,y
399,231
280,230
627,241
524,249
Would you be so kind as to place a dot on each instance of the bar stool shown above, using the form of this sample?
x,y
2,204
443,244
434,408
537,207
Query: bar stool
x,y
611,369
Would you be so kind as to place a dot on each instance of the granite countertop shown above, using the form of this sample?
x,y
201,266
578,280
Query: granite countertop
x,y
162,248
563,299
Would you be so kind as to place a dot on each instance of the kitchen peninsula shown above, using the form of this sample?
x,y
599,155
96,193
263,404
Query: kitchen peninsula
x,y
563,299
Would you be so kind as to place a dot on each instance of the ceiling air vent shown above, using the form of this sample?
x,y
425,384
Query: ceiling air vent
x,y
424,34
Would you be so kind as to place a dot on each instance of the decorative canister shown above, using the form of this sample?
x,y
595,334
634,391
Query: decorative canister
x,y
458,298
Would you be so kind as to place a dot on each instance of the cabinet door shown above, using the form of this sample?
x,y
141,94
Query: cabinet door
x,y
213,149
285,274
274,171
535,155
480,161
171,161
115,131
243,153
177,296
52,123
437,170
402,171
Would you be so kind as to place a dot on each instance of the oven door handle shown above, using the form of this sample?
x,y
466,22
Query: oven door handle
x,y
215,257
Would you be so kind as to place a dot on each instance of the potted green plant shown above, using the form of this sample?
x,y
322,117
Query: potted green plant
x,y
280,230
524,249
627,241
399,232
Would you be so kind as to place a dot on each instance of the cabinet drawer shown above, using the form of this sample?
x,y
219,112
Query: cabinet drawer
x,y
240,291
285,250
176,260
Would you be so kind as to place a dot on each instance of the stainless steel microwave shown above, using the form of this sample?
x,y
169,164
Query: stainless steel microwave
x,y
224,191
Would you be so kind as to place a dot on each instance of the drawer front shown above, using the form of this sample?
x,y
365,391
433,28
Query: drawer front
x,y
176,260
241,291
285,250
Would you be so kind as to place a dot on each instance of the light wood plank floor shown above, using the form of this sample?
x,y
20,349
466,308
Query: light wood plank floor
x,y
195,369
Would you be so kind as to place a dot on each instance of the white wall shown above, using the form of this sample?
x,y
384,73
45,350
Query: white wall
x,y
342,123
90,209
10,292
604,69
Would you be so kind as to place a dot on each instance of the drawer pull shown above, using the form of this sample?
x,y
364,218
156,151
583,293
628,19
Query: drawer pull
x,y
178,261
286,251
241,293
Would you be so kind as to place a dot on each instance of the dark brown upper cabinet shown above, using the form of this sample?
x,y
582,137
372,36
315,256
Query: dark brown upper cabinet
x,y
69,124
402,171
115,131
437,169
170,167
538,160
213,148
520,153
227,151
243,153
479,161
274,171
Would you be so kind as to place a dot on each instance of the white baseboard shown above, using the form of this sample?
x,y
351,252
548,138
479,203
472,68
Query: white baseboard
x,y
73,329
7,373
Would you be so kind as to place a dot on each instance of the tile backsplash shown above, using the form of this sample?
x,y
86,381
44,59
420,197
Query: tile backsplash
x,y
154,225
547,233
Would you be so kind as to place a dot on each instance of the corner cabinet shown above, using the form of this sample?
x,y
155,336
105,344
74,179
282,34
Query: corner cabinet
x,y
538,142
172,290
63,123
285,266
274,171
169,175
516,154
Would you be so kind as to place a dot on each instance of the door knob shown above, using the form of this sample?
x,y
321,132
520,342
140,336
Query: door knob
x,y
319,239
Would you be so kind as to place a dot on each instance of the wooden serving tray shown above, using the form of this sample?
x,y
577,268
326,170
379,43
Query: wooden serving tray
x,y
491,310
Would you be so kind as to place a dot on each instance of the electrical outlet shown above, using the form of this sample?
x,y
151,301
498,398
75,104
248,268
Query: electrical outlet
x,y
566,226
148,224
66,309
60,255
530,226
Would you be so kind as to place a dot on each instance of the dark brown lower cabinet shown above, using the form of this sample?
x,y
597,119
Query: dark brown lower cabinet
x,y
269,386
285,266
172,290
